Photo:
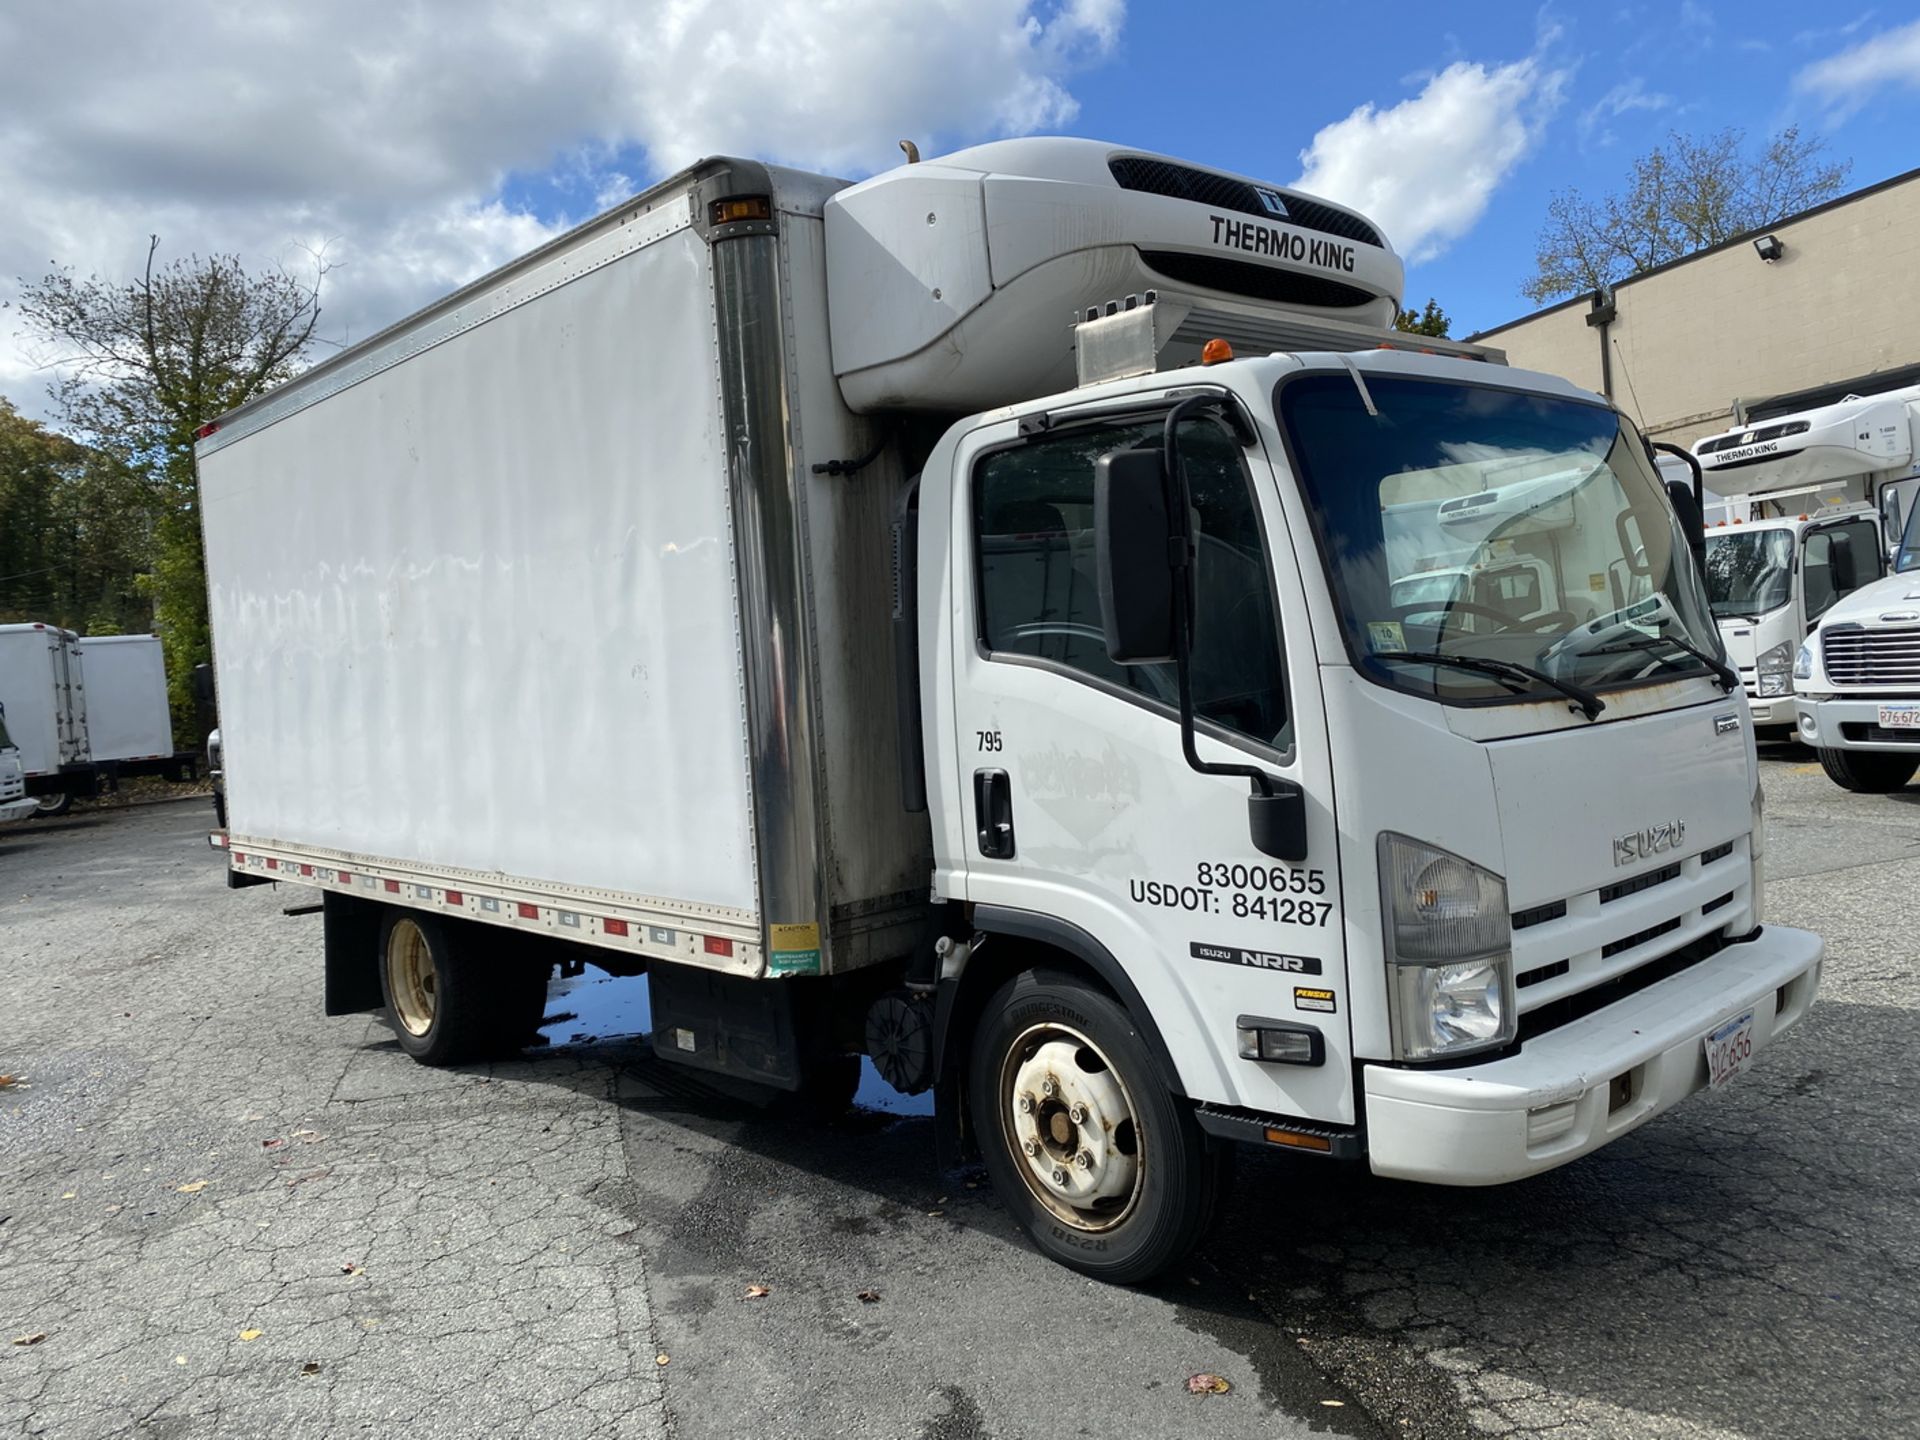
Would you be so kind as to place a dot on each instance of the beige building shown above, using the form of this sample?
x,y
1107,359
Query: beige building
x,y
1708,342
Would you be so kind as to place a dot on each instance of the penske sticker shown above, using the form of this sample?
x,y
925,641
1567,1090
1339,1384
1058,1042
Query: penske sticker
x,y
1307,998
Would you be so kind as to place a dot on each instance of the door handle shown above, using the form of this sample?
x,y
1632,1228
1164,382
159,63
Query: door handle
x,y
993,813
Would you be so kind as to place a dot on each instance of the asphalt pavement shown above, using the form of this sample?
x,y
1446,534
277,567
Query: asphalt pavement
x,y
228,1215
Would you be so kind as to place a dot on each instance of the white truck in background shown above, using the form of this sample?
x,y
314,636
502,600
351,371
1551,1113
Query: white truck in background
x,y
15,803
1812,502
43,687
129,717
883,664
1857,678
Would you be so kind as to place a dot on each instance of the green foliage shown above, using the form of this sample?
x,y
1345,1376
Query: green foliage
x,y
146,363
75,531
1430,321
1685,195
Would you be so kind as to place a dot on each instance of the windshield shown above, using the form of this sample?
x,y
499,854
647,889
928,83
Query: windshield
x,y
1749,572
1486,524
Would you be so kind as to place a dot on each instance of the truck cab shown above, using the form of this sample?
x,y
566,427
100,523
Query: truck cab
x,y
1857,679
15,803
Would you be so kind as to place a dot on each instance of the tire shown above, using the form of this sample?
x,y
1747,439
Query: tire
x,y
1154,1179
448,1000
1869,772
52,805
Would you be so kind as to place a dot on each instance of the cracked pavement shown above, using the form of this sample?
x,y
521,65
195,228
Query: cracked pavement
x,y
229,1215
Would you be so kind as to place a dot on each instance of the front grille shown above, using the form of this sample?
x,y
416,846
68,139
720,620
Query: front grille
x,y
1713,905
1854,656
1878,734
1539,915
1224,192
1752,437
1542,972
1569,1008
1620,889
1718,852
1237,277
1639,938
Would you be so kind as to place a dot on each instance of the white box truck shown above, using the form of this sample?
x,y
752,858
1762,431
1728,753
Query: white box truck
x,y
1812,501
742,589
43,687
129,719
15,803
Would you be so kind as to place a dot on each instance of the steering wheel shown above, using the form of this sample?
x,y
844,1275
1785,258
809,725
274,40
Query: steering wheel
x,y
1456,607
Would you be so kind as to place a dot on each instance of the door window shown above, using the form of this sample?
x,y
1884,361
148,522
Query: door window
x,y
1040,598
1839,560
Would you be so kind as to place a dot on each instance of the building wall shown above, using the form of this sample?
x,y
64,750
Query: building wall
x,y
1693,336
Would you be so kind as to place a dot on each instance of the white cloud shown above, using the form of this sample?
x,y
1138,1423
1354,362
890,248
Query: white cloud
x,y
1846,81
397,135
1426,168
1627,96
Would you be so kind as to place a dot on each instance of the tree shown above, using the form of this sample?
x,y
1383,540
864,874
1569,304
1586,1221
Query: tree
x,y
1430,321
75,532
145,364
1687,194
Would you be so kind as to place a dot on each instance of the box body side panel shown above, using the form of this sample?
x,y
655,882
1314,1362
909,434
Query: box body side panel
x,y
477,610
127,714
29,689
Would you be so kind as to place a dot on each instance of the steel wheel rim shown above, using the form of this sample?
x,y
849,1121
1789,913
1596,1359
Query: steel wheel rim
x,y
1102,1154
410,977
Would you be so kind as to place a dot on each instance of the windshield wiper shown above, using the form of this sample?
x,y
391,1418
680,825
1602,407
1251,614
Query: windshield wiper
x,y
1721,672
1508,672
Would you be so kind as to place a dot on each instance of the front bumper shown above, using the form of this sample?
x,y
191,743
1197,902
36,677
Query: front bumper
x,y
1820,722
18,809
1556,1100
1774,710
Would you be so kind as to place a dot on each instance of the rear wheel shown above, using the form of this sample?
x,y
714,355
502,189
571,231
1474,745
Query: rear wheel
x,y
449,1000
1869,772
1102,1166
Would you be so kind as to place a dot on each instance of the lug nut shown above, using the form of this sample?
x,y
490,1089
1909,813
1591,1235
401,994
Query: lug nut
x,y
1048,1088
1077,1114
1024,1104
1032,1147
1059,1176
1084,1159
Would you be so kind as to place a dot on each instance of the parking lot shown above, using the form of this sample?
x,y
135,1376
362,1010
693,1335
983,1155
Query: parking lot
x,y
222,1213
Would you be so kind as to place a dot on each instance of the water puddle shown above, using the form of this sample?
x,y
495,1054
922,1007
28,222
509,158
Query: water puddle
x,y
592,1008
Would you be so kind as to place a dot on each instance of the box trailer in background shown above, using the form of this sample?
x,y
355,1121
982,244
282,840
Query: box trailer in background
x,y
15,803
42,685
129,719
890,617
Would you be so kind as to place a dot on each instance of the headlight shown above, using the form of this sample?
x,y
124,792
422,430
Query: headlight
x,y
1774,664
1803,663
1449,952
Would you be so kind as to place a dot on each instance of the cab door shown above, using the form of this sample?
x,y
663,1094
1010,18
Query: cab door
x,y
1079,804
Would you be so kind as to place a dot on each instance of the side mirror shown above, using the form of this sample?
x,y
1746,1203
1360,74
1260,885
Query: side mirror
x,y
1687,509
202,682
1133,543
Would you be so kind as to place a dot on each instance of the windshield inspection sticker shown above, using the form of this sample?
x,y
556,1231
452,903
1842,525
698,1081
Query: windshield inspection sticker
x,y
1257,959
1385,635
1307,999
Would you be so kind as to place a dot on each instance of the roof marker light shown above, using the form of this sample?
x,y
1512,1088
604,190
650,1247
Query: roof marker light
x,y
1215,351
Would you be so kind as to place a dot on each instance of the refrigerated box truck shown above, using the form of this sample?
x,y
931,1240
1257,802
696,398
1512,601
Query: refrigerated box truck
x,y
129,718
43,687
888,616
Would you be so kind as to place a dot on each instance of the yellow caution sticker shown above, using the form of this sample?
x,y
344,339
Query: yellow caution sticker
x,y
793,949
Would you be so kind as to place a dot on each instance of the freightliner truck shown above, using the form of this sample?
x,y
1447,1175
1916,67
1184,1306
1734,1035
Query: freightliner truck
x,y
1813,500
885,615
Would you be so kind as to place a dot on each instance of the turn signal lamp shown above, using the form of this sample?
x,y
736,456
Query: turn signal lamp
x,y
1297,1141
742,207
1215,351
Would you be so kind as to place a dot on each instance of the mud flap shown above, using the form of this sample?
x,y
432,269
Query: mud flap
x,y
352,931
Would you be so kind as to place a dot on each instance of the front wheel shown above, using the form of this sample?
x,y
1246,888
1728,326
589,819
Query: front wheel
x,y
1869,772
1100,1163
51,805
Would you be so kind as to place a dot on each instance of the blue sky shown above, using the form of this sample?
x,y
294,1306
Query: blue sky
x,y
417,146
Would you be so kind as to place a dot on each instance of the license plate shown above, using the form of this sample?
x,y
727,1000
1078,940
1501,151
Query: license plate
x,y
1729,1048
1900,717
